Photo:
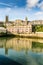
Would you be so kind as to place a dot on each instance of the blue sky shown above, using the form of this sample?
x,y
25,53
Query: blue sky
x,y
19,9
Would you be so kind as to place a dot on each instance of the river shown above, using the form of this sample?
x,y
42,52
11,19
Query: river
x,y
22,50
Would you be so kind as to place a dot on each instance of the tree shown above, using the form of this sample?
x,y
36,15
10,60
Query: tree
x,y
26,19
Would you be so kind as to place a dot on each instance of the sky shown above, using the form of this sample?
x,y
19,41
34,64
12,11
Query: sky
x,y
19,9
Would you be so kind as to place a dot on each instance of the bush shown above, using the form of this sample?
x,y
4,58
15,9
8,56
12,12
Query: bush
x,y
37,28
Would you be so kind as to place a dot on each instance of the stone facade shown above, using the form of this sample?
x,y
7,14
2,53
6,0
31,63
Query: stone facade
x,y
20,26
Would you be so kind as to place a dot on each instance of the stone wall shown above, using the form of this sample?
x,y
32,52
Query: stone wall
x,y
19,29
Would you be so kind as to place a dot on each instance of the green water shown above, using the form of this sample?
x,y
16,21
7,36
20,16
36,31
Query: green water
x,y
22,50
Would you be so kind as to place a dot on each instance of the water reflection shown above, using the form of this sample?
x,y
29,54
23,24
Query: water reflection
x,y
23,50
17,44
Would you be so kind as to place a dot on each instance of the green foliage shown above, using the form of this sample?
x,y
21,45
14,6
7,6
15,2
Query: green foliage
x,y
26,19
33,28
4,25
38,28
37,44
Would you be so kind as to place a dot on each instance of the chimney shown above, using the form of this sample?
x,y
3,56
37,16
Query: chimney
x,y
6,19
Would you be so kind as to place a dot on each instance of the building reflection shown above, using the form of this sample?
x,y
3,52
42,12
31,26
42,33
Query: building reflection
x,y
19,44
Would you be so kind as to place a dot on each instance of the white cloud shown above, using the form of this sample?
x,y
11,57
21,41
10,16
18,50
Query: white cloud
x,y
20,13
39,13
32,3
5,4
13,13
40,5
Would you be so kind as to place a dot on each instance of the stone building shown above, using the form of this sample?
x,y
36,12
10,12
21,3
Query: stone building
x,y
19,26
22,27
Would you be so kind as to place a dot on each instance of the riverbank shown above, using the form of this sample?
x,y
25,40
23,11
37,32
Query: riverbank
x,y
33,35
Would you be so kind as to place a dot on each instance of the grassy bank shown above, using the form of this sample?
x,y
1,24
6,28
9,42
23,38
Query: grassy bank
x,y
21,36
33,37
